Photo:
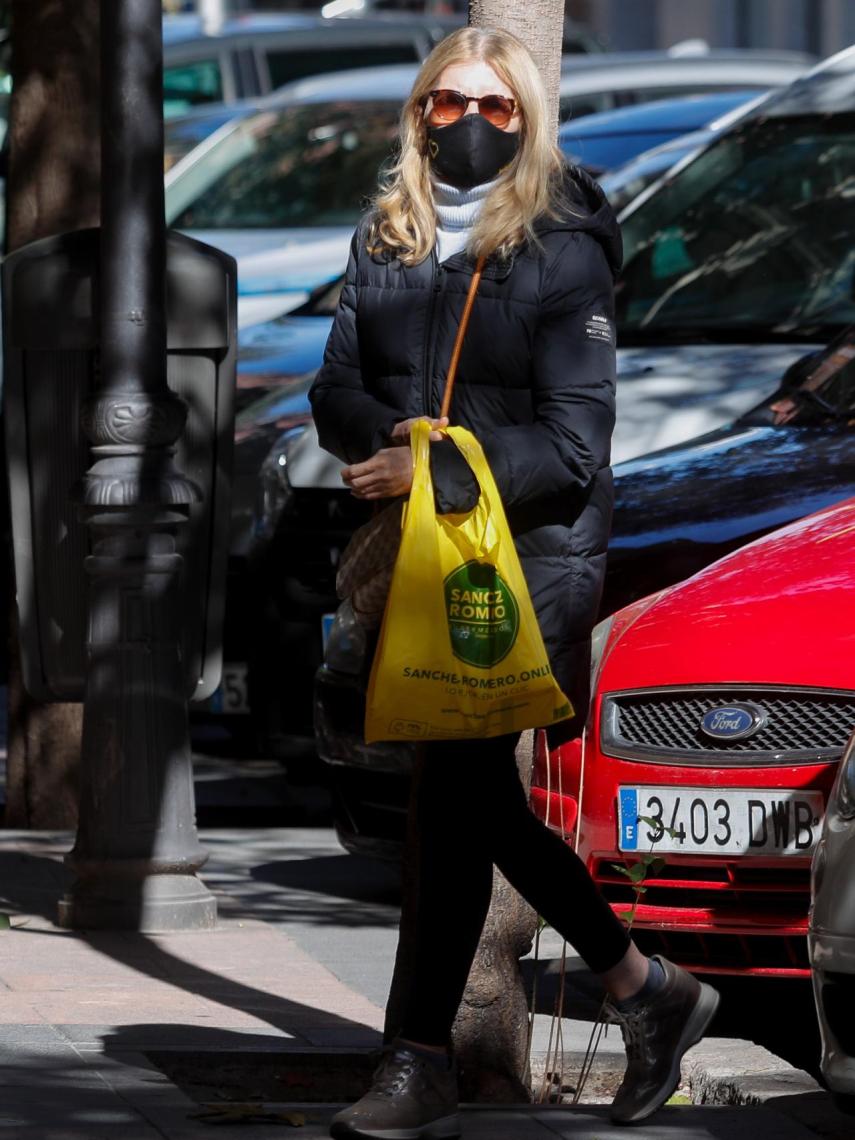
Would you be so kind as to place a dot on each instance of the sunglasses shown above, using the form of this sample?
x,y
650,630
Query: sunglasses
x,y
449,106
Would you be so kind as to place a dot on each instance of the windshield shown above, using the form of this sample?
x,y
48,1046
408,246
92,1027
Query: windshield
x,y
305,165
756,235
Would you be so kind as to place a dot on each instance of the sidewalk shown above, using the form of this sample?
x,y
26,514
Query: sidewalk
x,y
79,1014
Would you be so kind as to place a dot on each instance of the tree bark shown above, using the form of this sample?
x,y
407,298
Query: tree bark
x,y
540,26
53,186
491,1031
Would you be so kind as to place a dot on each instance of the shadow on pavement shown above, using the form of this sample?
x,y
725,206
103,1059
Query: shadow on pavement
x,y
343,876
32,883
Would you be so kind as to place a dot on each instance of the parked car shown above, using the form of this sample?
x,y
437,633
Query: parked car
x,y
596,83
254,54
721,709
609,139
831,937
676,511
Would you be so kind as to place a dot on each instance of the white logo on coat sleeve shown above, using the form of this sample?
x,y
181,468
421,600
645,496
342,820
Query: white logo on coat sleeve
x,y
599,328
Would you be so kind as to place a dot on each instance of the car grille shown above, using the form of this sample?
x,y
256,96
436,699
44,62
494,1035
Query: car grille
x,y
724,918
802,725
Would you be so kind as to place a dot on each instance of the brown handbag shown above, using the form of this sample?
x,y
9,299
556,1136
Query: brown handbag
x,y
365,570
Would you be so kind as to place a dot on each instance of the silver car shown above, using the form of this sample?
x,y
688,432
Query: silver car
x,y
831,935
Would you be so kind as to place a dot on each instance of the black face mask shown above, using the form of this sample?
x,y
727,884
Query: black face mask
x,y
470,151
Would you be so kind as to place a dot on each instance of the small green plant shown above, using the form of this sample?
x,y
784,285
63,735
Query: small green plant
x,y
646,866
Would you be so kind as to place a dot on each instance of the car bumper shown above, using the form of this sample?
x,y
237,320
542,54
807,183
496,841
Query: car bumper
x,y
832,958
741,915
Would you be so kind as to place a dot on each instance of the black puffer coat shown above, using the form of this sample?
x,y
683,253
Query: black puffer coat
x,y
535,384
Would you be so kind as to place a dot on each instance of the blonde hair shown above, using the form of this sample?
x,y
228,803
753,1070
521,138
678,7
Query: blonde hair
x,y
404,220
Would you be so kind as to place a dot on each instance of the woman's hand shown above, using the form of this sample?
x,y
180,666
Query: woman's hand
x,y
385,475
400,435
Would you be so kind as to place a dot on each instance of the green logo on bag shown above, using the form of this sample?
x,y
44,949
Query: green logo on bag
x,y
483,616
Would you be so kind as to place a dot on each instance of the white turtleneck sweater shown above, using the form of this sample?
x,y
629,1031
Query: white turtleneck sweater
x,y
456,214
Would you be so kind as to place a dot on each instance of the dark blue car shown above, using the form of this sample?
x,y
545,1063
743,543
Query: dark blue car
x,y
609,139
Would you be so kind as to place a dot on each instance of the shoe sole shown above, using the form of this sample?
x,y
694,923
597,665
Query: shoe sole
x,y
694,1029
446,1128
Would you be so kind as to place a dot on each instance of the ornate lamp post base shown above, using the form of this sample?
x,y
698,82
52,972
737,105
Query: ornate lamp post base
x,y
148,902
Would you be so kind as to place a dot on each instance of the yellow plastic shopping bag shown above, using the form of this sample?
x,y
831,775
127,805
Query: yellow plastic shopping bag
x,y
460,652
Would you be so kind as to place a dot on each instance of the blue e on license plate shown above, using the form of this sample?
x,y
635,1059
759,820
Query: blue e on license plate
x,y
719,821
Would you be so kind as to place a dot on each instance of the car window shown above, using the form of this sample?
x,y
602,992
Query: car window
x,y
306,165
285,66
577,106
183,133
756,235
189,84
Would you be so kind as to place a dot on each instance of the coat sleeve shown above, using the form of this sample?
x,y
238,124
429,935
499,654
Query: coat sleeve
x,y
573,384
351,423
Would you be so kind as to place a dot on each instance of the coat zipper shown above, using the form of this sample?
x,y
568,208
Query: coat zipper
x,y
437,277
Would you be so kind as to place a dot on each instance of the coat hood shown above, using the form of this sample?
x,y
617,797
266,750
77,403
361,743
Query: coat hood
x,y
587,210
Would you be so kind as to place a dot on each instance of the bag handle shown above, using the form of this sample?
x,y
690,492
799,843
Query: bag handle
x,y
458,340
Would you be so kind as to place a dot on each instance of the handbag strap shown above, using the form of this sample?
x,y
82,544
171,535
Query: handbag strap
x,y
458,340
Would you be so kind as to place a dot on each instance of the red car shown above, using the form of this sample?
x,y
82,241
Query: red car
x,y
721,709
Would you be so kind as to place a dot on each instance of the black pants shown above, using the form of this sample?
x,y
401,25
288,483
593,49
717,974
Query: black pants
x,y
472,813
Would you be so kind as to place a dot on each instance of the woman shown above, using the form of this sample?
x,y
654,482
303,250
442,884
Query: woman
x,y
479,174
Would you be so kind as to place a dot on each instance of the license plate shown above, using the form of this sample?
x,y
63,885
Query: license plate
x,y
719,821
232,696
326,625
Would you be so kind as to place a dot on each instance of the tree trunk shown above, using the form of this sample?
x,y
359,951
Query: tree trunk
x,y
491,1030
540,26
53,185
490,1034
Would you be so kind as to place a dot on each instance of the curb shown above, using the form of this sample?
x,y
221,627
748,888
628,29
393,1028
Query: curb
x,y
728,1071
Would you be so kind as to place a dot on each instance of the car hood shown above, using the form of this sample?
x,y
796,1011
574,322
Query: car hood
x,y
278,269
738,480
666,394
272,354
660,400
775,612
669,394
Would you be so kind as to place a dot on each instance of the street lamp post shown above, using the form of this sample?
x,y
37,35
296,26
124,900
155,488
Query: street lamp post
x,y
137,852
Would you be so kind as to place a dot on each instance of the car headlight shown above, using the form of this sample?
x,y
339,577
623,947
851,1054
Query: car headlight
x,y
599,639
346,645
275,489
843,794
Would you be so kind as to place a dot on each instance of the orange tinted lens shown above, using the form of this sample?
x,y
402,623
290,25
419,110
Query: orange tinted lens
x,y
496,109
447,106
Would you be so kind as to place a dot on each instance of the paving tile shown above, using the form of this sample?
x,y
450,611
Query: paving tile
x,y
689,1123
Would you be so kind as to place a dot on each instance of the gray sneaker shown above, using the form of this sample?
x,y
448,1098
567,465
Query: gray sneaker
x,y
409,1099
657,1032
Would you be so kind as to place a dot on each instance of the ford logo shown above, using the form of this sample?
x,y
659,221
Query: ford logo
x,y
733,722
